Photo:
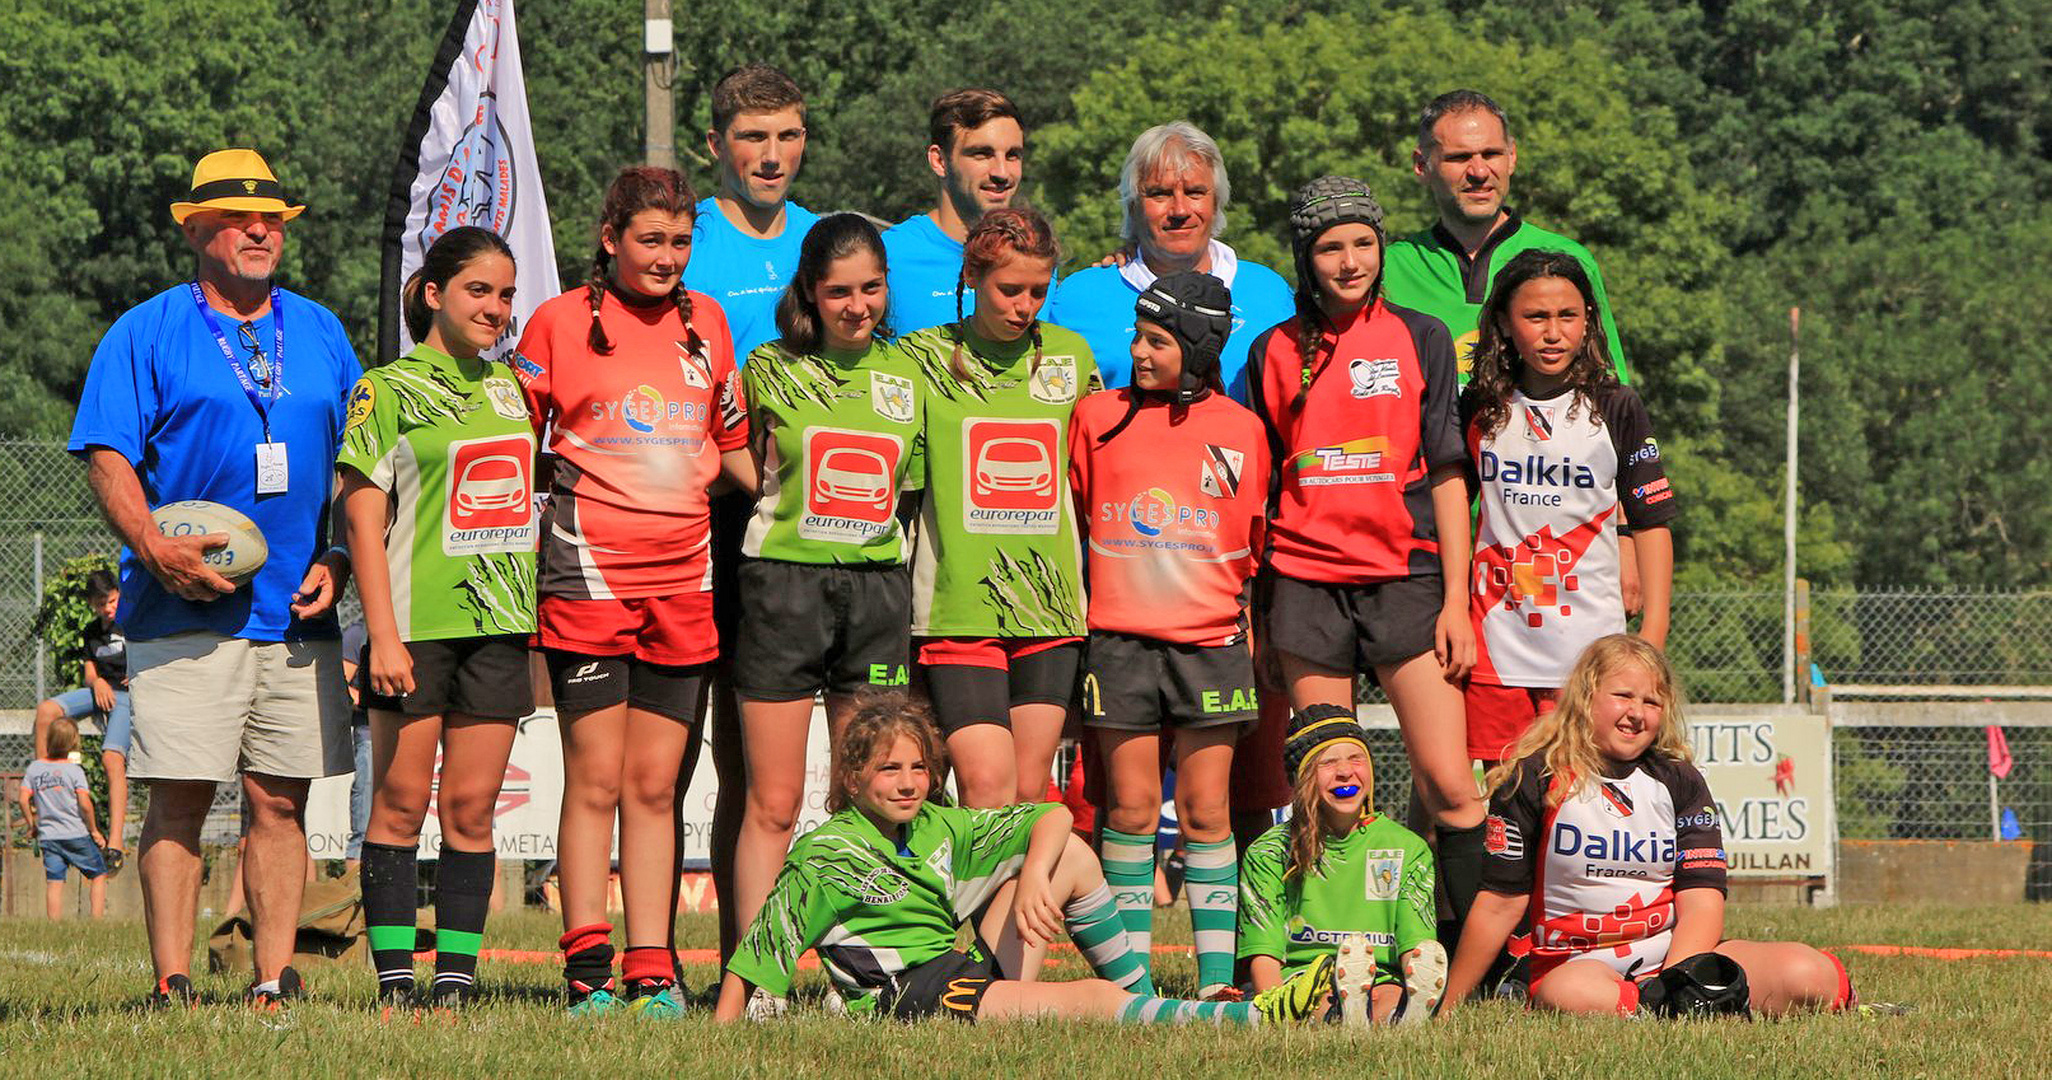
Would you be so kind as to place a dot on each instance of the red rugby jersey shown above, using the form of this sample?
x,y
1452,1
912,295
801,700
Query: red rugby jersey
x,y
1173,507
1352,461
637,434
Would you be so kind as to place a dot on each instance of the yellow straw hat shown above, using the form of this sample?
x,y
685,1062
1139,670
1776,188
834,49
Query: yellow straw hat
x,y
234,180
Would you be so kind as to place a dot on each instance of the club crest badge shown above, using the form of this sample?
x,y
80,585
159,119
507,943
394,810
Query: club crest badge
x,y
1054,382
891,397
505,398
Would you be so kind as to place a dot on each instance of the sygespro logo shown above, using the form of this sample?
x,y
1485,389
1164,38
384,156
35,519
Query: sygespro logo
x,y
850,484
1013,483
490,504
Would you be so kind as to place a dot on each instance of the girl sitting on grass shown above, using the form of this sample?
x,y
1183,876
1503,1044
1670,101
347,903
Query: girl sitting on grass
x,y
1599,808
881,887
1337,876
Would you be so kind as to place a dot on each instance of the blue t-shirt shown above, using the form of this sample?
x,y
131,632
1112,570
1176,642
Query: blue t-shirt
x,y
160,394
1098,304
925,263
745,275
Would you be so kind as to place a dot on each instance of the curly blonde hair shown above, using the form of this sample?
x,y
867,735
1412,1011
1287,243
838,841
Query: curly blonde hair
x,y
1564,740
1307,825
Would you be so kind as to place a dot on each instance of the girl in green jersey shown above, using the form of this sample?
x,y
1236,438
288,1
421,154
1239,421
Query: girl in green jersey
x,y
881,887
1337,876
825,596
997,591
437,488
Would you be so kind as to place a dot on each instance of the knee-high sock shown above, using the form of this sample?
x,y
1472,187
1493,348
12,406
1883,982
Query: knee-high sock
x,y
463,897
1461,859
1094,925
1129,872
1145,1009
390,883
1213,886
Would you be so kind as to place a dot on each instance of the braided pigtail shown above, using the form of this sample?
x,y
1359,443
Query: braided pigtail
x,y
1035,331
956,363
681,296
1310,343
595,293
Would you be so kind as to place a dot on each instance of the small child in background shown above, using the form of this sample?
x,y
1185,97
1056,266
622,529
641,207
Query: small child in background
x,y
59,806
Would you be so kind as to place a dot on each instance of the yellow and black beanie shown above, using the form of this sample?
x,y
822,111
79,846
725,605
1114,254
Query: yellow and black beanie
x,y
1316,728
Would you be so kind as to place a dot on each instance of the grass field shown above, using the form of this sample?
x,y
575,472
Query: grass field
x,y
69,997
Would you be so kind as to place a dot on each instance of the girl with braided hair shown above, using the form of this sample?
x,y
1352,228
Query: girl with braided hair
x,y
997,578
1337,876
1369,538
633,383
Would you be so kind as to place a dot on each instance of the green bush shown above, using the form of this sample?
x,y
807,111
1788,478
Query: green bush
x,y
63,614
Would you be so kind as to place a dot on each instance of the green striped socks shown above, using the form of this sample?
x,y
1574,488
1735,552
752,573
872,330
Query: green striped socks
x,y
1213,887
1142,1009
1094,925
1129,872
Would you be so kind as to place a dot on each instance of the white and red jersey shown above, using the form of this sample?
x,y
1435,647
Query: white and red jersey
x,y
1173,506
1551,482
637,434
1354,435
1601,869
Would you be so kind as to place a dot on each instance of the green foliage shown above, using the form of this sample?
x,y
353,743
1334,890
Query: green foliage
x,y
1879,164
63,614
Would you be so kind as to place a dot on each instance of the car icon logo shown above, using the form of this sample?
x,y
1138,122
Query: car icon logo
x,y
848,474
491,483
1015,465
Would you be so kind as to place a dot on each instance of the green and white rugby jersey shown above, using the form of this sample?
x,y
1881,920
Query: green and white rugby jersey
x,y
839,437
449,440
876,908
996,553
1375,880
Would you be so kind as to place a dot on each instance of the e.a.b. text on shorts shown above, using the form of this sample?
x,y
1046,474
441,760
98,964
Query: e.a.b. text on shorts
x,y
1137,684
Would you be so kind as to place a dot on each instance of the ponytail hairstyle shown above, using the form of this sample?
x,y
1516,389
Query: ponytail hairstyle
x,y
1496,365
998,236
641,187
446,257
833,237
1564,739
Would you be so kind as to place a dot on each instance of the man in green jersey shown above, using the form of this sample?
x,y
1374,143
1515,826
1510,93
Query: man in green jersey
x,y
1465,157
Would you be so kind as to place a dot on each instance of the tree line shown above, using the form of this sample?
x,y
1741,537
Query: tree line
x,y
1883,166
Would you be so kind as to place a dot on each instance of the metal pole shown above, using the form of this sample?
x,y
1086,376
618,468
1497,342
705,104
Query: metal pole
x,y
658,67
1788,520
1994,810
41,687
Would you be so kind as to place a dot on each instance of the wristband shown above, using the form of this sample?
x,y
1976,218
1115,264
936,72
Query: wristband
x,y
338,549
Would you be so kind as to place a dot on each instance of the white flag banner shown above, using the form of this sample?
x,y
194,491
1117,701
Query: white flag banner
x,y
468,159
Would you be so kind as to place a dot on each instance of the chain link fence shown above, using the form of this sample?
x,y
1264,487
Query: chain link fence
x,y
1894,782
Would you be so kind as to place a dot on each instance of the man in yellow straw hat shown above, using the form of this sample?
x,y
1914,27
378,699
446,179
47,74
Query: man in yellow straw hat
x,y
230,389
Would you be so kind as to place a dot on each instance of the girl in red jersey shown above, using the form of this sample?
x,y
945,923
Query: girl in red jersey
x,y
1604,844
1559,449
1369,534
1170,477
633,381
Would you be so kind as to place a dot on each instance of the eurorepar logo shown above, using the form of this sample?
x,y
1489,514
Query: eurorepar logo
x,y
851,484
1014,480
489,503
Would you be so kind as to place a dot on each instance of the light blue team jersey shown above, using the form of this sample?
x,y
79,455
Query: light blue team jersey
x,y
745,275
1098,304
160,394
925,265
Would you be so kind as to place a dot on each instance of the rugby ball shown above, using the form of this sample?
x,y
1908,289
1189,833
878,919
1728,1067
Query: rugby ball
x,y
240,558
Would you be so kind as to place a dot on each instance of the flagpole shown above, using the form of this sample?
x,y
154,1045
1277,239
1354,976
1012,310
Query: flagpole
x,y
659,142
400,201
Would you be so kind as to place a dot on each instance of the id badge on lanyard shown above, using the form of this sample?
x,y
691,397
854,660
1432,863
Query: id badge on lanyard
x,y
272,474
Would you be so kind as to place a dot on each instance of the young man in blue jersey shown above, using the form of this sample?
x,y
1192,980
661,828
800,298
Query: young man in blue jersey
x,y
1174,190
744,243
979,153
744,250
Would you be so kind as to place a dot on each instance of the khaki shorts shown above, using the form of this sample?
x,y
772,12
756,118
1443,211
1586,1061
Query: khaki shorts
x,y
208,706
